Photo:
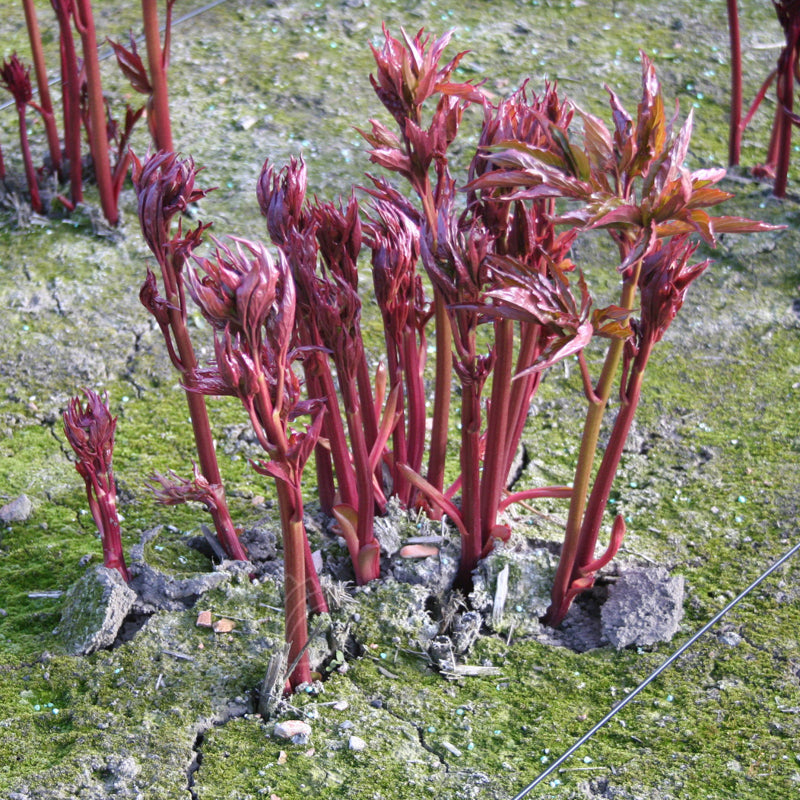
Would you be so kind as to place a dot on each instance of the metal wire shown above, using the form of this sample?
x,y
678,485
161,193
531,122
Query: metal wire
x,y
653,675
139,39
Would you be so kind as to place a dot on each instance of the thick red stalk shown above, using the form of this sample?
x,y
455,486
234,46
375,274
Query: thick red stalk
x,y
30,172
601,490
98,137
735,135
785,89
471,544
366,493
198,411
271,434
522,390
586,455
71,101
496,460
226,532
108,525
318,373
415,391
158,76
45,103
301,582
367,406
401,488
316,599
334,431
326,489
440,429
294,581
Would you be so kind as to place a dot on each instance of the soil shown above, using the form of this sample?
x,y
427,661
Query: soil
x,y
410,706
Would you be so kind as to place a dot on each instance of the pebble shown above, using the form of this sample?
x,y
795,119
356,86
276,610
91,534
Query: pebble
x,y
730,638
223,626
356,743
341,705
296,730
18,510
204,619
451,748
418,551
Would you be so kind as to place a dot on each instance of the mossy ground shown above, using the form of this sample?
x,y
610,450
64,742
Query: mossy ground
x,y
710,484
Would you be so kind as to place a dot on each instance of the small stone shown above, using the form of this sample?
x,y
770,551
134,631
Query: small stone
x,y
94,610
418,551
341,705
223,625
282,757
730,638
204,619
18,510
356,743
296,730
644,606
451,748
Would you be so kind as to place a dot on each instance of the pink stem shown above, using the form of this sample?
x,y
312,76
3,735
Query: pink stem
x,y
294,572
735,136
46,104
471,543
496,458
30,172
158,75
71,101
415,390
98,137
440,430
785,104
601,490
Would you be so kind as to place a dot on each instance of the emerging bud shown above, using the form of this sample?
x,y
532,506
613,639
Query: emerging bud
x,y
339,236
664,281
236,368
238,289
281,197
90,429
172,490
394,240
409,72
546,300
15,78
165,187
